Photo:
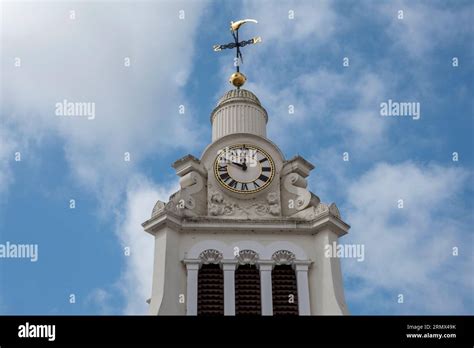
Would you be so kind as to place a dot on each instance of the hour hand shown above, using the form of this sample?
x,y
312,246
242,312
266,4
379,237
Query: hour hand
x,y
242,165
237,164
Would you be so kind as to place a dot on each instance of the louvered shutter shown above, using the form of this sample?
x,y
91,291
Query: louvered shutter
x,y
247,290
210,290
284,285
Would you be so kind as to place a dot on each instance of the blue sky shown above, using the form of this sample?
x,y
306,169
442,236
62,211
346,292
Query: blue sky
x,y
299,63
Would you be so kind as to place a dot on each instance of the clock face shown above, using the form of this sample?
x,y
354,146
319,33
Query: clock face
x,y
244,168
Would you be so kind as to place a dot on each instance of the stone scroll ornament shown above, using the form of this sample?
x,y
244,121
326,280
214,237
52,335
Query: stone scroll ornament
x,y
307,205
296,184
188,201
190,184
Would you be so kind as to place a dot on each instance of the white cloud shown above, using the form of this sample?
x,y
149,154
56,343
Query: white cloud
x,y
306,65
409,250
345,101
424,26
312,20
137,112
7,150
100,298
136,279
330,179
364,124
347,107
82,60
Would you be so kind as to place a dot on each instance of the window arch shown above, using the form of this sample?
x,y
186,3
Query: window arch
x,y
284,286
247,284
258,280
210,284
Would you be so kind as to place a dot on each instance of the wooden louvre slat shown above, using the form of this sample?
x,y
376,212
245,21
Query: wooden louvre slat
x,y
247,290
210,290
284,285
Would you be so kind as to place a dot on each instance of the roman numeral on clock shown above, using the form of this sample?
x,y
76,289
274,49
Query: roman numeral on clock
x,y
233,183
224,176
242,163
262,178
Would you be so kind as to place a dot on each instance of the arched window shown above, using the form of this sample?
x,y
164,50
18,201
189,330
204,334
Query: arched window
x,y
284,286
210,284
247,285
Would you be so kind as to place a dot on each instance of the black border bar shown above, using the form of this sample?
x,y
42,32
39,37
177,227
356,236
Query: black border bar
x,y
313,330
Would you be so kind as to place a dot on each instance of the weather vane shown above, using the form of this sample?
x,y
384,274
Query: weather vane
x,y
238,79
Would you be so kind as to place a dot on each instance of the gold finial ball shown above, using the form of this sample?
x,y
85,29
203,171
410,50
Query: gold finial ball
x,y
237,79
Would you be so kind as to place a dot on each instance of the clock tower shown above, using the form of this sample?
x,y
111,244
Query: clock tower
x,y
244,235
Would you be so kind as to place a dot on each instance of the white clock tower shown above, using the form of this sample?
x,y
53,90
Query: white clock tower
x,y
244,235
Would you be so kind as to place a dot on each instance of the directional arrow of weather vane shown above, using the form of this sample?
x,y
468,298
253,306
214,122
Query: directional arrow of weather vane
x,y
234,29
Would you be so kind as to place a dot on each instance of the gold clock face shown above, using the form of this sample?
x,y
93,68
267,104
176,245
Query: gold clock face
x,y
244,168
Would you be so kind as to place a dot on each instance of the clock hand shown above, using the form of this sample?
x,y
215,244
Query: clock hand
x,y
237,164
242,165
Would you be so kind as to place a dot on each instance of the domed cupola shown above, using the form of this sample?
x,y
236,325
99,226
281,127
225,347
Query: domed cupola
x,y
238,111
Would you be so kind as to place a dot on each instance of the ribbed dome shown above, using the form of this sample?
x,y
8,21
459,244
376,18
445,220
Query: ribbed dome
x,y
238,111
239,94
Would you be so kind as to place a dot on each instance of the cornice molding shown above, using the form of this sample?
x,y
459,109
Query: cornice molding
x,y
210,224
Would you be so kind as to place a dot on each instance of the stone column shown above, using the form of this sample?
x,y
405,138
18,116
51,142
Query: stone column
x,y
301,269
266,286
192,269
228,266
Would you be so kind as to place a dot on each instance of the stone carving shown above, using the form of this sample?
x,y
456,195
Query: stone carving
x,y
159,206
334,210
247,257
271,207
296,185
190,200
172,205
312,213
273,203
283,257
210,256
320,209
220,206
305,205
191,184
